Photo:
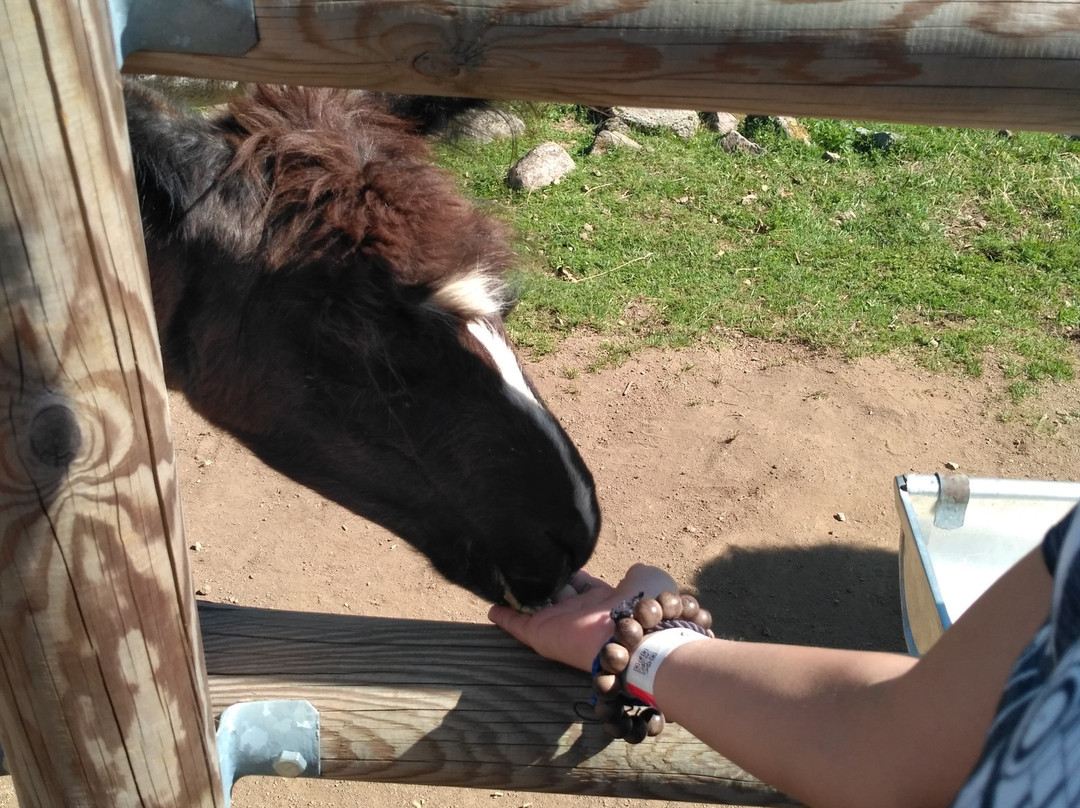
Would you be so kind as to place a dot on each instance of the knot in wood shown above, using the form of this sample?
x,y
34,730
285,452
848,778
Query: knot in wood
x,y
55,437
436,65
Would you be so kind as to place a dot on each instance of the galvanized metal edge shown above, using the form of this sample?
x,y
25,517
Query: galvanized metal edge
x,y
218,27
918,483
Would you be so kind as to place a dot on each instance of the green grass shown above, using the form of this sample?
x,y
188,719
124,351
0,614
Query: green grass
x,y
957,246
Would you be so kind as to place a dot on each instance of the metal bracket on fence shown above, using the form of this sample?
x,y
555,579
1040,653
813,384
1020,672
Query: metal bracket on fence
x,y
954,492
270,738
218,27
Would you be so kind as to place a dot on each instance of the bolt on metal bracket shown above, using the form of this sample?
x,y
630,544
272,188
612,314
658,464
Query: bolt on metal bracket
x,y
270,738
219,27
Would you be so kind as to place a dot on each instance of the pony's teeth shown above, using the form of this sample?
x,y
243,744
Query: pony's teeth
x,y
512,601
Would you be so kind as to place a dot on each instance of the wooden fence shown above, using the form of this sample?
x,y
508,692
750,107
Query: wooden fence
x,y
986,63
104,698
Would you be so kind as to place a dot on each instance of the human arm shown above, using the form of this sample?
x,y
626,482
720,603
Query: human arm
x,y
838,728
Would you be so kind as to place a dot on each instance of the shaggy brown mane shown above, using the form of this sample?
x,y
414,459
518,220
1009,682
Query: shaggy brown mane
x,y
340,175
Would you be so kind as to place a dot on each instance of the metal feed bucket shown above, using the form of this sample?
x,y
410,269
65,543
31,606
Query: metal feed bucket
x,y
959,534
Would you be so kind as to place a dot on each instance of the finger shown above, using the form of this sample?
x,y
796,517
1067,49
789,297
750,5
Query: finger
x,y
509,620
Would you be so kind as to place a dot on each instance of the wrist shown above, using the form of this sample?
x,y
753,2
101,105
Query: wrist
x,y
649,655
646,632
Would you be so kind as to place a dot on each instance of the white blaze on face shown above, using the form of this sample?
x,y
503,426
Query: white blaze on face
x,y
522,395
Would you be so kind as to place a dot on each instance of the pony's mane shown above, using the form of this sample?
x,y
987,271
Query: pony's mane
x,y
340,176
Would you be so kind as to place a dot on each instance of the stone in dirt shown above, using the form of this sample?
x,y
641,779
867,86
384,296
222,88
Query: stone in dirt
x,y
486,125
720,122
683,122
608,139
793,129
734,142
543,165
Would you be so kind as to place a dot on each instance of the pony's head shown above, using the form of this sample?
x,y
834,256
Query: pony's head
x,y
328,296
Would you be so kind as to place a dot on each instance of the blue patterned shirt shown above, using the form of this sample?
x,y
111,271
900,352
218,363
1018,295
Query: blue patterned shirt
x,y
1032,753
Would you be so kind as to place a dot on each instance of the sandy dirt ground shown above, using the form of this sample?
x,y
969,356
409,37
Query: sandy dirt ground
x,y
728,467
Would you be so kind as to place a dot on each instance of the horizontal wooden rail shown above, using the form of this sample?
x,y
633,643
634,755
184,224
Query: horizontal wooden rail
x,y
982,63
452,704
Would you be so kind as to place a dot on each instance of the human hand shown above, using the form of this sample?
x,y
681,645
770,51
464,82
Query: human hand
x,y
574,629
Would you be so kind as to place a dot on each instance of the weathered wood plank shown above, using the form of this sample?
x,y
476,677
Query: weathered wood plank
x,y
451,704
102,685
984,63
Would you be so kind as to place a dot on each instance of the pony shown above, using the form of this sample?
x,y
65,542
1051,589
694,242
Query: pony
x,y
326,294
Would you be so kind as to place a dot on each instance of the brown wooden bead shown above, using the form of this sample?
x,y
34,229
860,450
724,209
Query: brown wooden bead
x,y
619,727
690,607
629,632
670,605
648,613
606,685
639,730
704,618
614,658
654,720
608,710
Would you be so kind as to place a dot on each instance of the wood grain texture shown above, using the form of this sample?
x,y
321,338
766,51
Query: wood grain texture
x,y
102,684
456,704
982,63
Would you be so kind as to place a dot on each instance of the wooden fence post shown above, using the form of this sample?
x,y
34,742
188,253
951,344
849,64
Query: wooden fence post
x,y
103,697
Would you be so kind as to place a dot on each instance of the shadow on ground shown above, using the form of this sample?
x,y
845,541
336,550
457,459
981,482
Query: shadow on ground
x,y
832,595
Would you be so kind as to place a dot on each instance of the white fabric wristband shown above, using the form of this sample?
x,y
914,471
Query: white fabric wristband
x,y
645,660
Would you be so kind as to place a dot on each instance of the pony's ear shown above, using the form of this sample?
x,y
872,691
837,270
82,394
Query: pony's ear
x,y
176,154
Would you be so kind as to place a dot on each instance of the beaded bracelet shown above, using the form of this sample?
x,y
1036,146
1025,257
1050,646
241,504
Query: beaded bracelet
x,y
623,715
